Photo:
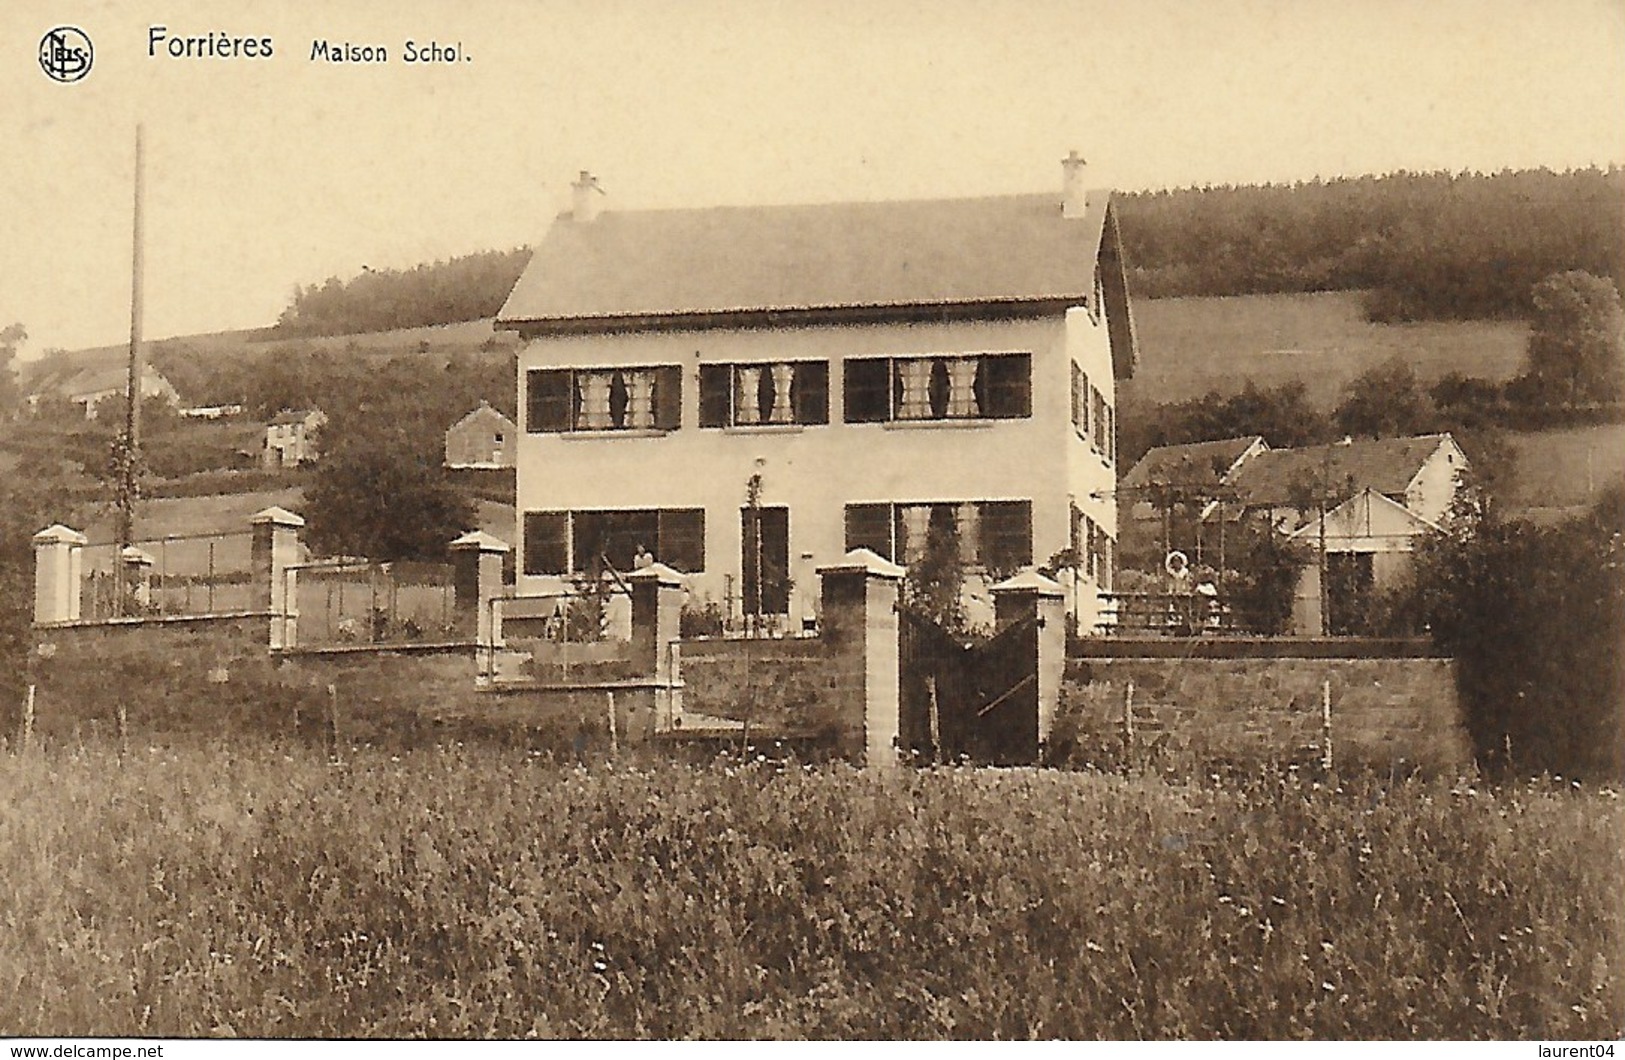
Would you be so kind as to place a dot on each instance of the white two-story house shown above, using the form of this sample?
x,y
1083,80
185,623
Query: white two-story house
x,y
746,393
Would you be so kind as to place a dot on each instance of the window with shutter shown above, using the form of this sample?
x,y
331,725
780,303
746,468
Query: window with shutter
x,y
668,398
546,543
548,400
1009,386
1007,535
811,392
681,539
716,404
866,392
869,526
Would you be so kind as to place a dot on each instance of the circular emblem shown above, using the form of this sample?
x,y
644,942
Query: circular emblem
x,y
65,54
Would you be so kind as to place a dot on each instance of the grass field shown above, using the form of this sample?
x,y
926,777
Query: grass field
x,y
488,893
1189,346
1565,469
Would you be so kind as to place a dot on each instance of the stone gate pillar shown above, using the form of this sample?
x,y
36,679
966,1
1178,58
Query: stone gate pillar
x,y
476,561
859,603
273,558
58,573
657,613
1030,595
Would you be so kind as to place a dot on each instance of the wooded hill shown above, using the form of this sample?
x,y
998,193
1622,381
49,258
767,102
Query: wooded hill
x,y
1427,246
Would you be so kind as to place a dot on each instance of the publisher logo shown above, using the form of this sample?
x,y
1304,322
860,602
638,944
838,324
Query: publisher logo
x,y
65,54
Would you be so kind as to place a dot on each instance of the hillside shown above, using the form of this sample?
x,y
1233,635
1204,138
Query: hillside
x,y
1189,346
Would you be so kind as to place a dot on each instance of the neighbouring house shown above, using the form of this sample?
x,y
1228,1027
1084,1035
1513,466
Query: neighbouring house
x,y
211,412
291,438
1164,498
747,393
484,438
1379,496
90,388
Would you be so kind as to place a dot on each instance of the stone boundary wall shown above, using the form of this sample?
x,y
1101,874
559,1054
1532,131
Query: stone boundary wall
x,y
1392,712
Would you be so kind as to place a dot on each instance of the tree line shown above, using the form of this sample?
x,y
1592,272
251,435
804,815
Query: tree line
x,y
471,287
1424,245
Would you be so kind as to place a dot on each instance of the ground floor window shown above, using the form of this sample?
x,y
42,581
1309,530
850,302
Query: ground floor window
x,y
764,561
996,536
565,542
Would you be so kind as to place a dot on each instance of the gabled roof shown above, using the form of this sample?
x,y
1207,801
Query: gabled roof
x,y
109,377
1367,522
1277,478
650,268
1192,463
287,416
484,411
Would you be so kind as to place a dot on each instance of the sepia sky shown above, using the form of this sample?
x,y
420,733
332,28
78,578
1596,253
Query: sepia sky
x,y
262,174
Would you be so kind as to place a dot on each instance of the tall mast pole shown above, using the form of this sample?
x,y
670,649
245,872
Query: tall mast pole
x,y
132,404
130,446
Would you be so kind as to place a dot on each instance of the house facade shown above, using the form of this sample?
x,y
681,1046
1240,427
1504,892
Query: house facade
x,y
484,438
746,394
291,438
1381,497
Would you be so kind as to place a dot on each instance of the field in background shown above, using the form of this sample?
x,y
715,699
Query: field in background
x,y
1189,346
224,890
1565,469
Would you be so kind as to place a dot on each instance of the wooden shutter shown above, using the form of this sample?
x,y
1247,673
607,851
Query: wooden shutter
x,y
1009,388
682,539
545,551
668,397
866,390
715,392
869,526
548,400
810,392
1007,535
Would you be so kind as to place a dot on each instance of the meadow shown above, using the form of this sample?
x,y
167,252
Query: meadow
x,y
224,889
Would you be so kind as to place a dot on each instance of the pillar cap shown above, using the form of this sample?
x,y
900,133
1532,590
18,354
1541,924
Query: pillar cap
x,y
57,534
863,561
131,554
479,539
1029,581
276,517
658,573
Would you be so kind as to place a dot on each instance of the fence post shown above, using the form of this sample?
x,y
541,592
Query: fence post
x,y
58,571
476,573
28,719
273,555
657,610
1128,725
1326,725
859,603
1029,596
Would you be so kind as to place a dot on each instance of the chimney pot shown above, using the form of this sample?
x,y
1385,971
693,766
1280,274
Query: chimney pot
x,y
584,198
1074,186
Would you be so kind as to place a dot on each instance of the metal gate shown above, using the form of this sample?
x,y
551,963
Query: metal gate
x,y
976,701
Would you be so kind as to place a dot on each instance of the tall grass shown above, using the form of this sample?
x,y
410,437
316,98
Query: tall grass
x,y
215,890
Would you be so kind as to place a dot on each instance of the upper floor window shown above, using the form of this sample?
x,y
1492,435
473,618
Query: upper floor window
x,y
604,399
764,394
978,386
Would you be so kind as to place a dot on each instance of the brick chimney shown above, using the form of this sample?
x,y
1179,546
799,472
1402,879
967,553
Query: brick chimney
x,y
1074,185
585,198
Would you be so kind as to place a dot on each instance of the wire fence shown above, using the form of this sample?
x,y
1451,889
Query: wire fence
x,y
354,601
181,574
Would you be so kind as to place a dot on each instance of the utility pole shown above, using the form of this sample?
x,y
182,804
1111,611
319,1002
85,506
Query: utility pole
x,y
131,447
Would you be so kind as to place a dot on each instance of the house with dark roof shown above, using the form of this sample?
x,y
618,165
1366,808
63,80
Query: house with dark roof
x,y
748,392
91,386
1380,496
291,438
482,439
